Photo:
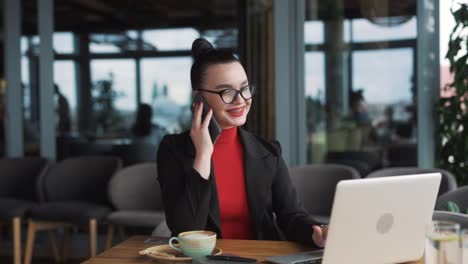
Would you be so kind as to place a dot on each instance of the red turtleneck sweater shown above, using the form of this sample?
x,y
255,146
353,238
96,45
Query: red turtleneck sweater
x,y
228,162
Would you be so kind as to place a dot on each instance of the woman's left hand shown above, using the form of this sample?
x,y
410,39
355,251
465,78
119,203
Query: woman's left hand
x,y
319,235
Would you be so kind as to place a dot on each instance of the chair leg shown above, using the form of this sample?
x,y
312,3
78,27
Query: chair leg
x,y
65,244
53,245
122,233
110,236
16,240
93,237
30,242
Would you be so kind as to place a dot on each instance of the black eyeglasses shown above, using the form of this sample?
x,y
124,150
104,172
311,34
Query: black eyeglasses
x,y
230,95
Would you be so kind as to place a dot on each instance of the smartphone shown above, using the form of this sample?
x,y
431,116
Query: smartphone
x,y
213,127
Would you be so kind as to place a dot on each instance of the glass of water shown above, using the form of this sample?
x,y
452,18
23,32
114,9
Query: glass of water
x,y
443,243
464,241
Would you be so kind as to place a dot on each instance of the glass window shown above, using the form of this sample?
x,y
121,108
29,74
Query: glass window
x,y
65,79
26,87
384,75
314,75
122,74
133,34
114,42
166,77
166,87
24,45
315,102
170,39
105,43
364,30
313,32
347,31
360,98
116,79
63,42
222,38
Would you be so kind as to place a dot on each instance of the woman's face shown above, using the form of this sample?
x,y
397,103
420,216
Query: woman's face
x,y
219,77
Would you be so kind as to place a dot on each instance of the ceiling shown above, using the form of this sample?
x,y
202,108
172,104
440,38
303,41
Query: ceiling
x,y
118,15
331,9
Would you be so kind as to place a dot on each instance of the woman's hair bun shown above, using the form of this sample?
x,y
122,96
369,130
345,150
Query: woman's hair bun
x,y
201,47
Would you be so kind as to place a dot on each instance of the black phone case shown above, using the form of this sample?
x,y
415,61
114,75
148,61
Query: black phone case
x,y
213,126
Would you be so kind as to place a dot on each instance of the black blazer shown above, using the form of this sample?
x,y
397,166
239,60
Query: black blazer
x,y
191,202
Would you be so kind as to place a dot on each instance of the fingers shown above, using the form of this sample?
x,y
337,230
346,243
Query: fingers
x,y
317,232
196,121
207,119
319,235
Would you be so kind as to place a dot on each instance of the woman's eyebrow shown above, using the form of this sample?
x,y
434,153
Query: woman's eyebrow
x,y
219,86
229,86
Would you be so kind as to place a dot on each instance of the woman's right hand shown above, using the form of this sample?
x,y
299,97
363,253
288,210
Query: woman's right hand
x,y
202,141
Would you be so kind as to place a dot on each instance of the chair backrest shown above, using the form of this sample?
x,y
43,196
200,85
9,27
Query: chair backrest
x,y
448,182
459,218
316,185
362,167
80,179
136,188
19,177
135,153
458,196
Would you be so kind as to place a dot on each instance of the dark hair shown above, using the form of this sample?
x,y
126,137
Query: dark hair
x,y
142,126
205,55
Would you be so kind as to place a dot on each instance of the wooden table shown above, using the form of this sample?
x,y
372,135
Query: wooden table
x,y
127,251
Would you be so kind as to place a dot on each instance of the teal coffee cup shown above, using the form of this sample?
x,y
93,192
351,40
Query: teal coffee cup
x,y
194,243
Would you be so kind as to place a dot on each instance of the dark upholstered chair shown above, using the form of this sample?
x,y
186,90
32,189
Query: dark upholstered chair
x,y
316,185
18,193
459,218
458,196
75,193
136,195
448,182
363,161
135,153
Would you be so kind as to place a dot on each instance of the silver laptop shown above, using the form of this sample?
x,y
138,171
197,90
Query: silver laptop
x,y
378,220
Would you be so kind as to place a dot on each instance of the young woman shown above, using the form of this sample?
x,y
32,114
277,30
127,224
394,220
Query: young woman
x,y
238,187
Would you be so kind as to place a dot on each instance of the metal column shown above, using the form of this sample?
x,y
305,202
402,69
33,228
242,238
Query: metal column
x,y
13,100
46,79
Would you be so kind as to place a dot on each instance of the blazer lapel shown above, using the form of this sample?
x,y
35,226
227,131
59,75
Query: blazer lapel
x,y
256,177
214,202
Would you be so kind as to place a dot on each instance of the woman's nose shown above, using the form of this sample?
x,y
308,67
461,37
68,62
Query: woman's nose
x,y
238,99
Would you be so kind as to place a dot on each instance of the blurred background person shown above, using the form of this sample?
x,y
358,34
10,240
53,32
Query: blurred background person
x,y
143,130
63,112
359,112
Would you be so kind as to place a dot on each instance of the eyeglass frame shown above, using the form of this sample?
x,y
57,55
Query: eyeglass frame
x,y
238,92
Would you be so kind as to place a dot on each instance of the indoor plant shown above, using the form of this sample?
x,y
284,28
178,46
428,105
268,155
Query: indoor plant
x,y
452,115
